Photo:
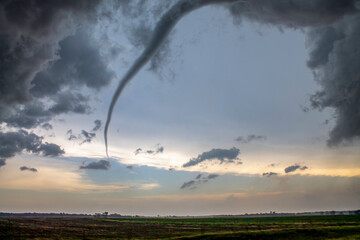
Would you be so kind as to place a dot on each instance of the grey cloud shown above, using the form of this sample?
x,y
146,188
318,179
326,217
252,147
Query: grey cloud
x,y
98,124
130,167
47,126
138,151
159,149
2,162
50,149
188,184
295,167
12,143
99,165
269,174
199,179
24,168
70,135
212,176
250,138
84,136
88,136
223,155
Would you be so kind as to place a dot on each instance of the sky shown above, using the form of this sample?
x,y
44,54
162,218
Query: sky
x,y
209,107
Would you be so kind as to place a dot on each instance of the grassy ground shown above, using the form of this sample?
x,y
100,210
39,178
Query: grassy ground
x,y
304,227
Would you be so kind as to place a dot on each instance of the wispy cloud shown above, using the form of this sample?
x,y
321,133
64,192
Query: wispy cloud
x,y
250,138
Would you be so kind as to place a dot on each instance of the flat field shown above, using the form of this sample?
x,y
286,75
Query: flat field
x,y
299,227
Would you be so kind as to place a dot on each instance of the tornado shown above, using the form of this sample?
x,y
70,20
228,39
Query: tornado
x,y
161,31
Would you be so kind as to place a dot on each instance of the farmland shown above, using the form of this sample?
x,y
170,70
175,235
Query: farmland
x,y
297,227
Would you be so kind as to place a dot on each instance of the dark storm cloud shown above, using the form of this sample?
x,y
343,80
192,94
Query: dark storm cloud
x,y
99,165
250,138
98,124
35,113
269,174
335,58
295,167
24,168
68,102
292,13
79,64
29,36
199,179
2,162
223,155
12,143
47,126
45,61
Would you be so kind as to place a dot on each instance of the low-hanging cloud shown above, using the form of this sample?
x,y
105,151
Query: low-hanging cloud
x,y
24,168
199,179
222,155
250,138
97,165
295,167
269,174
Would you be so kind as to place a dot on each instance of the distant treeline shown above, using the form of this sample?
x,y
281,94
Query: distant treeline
x,y
116,215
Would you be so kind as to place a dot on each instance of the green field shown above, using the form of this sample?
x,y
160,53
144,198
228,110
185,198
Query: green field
x,y
304,227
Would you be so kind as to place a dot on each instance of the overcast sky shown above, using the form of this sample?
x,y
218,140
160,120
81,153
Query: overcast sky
x,y
233,107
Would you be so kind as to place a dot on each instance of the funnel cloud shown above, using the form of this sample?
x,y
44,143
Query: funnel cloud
x,y
332,28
